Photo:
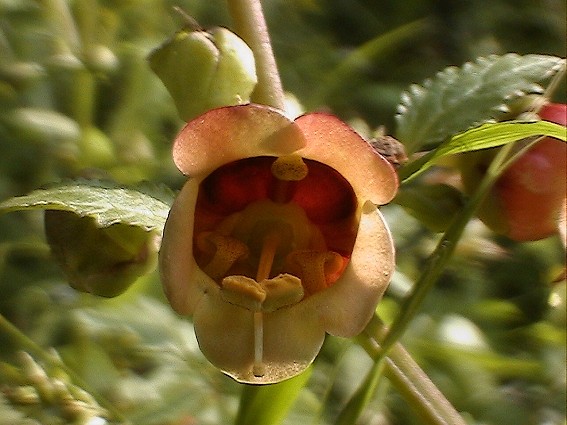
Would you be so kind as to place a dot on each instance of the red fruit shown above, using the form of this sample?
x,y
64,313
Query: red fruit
x,y
525,202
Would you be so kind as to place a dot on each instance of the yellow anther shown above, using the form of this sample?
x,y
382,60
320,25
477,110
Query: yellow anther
x,y
281,291
243,292
315,268
225,252
289,168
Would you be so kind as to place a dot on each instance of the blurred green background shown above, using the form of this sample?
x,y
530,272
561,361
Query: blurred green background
x,y
77,99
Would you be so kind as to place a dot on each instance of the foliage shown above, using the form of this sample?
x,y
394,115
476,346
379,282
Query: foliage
x,y
83,117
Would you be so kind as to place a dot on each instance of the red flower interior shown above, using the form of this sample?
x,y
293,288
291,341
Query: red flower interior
x,y
313,219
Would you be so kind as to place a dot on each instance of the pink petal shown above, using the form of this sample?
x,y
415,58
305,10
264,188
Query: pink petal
x,y
223,135
183,281
346,307
332,142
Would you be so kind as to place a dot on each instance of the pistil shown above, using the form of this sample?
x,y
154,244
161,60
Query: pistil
x,y
269,247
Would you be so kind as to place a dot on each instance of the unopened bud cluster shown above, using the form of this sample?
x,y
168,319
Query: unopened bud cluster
x,y
32,388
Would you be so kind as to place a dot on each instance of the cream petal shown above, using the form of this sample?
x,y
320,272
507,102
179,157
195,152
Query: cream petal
x,y
292,338
183,281
346,307
562,223
226,134
337,145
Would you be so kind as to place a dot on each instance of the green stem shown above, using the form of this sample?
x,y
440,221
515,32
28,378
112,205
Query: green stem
x,y
54,361
58,12
383,345
409,379
250,25
362,396
444,250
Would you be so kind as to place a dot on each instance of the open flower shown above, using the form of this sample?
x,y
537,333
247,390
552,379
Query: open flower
x,y
276,237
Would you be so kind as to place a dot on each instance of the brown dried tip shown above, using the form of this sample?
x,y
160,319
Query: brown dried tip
x,y
391,149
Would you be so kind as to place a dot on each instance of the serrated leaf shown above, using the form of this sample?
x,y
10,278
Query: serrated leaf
x,y
107,203
488,135
459,98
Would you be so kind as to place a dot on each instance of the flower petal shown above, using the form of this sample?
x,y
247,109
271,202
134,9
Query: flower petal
x,y
183,281
346,307
335,144
292,337
223,135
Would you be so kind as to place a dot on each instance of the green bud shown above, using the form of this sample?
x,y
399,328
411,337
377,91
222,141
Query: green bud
x,y
24,395
100,58
20,74
433,205
204,70
96,149
37,125
66,62
100,261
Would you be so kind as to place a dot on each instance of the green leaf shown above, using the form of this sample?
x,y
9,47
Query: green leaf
x,y
488,135
491,135
434,205
459,98
107,203
269,404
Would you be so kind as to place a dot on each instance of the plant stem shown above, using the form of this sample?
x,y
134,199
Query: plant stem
x,y
443,252
409,379
250,25
383,344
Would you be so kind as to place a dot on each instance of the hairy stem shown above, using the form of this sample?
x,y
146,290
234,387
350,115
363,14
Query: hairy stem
x,y
250,25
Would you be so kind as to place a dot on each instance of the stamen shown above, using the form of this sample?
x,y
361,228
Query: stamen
x,y
243,292
287,170
281,291
227,251
316,269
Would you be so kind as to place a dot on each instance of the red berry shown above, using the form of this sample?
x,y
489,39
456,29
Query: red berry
x,y
525,202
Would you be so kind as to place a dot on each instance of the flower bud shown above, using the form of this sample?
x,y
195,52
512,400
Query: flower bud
x,y
95,149
203,70
42,126
101,261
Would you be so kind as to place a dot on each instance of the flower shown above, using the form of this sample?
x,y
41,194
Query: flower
x,y
276,238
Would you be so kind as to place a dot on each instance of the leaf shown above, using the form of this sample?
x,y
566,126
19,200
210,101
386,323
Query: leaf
x,y
488,135
269,404
459,98
144,206
363,56
491,135
434,205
